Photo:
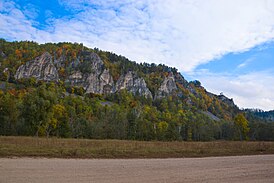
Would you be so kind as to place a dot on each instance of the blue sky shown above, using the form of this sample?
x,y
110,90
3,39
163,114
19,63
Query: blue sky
x,y
42,11
259,58
226,44
247,77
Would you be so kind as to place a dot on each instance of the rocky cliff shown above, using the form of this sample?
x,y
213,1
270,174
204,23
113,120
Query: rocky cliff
x,y
94,77
92,74
98,79
40,68
167,87
134,84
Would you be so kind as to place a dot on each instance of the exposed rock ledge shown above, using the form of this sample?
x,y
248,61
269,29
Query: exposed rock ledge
x,y
167,87
40,68
132,83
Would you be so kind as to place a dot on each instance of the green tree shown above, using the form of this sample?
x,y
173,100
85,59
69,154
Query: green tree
x,y
56,120
8,114
241,124
161,130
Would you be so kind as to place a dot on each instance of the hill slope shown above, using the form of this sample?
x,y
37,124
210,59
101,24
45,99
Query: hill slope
x,y
70,90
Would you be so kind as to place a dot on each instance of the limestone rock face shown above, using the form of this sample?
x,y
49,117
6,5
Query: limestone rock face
x,y
90,73
100,83
97,79
60,61
93,76
95,62
132,83
167,87
76,78
2,54
40,68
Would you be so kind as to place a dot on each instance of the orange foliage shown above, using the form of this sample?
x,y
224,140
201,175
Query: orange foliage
x,y
18,53
59,52
12,92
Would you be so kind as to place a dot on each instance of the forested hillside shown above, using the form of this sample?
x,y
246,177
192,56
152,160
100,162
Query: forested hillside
x,y
69,90
265,115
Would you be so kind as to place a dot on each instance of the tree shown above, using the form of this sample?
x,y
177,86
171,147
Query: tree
x,y
8,114
57,119
241,124
37,110
161,129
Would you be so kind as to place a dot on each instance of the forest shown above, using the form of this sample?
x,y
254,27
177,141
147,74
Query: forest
x,y
32,107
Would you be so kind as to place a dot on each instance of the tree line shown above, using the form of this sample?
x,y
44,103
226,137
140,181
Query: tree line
x,y
50,110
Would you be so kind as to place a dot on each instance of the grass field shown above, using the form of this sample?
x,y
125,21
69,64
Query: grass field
x,y
84,148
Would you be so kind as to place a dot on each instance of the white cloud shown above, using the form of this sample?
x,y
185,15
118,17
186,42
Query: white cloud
x,y
253,90
246,62
15,25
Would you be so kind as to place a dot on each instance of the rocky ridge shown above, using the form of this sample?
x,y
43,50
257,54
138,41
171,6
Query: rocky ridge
x,y
94,77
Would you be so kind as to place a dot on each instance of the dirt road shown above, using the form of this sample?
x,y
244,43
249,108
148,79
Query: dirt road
x,y
214,169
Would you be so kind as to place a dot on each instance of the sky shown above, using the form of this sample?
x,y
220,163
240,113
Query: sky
x,y
228,45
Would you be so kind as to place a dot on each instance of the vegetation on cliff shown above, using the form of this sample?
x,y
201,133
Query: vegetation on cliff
x,y
154,103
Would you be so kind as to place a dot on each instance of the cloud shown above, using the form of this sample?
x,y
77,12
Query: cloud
x,y
183,34
246,62
248,90
30,11
16,26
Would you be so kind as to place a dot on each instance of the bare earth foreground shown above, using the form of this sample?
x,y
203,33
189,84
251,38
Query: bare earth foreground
x,y
257,168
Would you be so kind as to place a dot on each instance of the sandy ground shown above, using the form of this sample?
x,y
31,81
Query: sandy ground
x,y
257,169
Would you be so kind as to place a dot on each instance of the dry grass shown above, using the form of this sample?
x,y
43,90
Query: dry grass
x,y
84,148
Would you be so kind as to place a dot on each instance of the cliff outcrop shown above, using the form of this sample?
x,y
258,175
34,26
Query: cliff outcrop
x,y
41,68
